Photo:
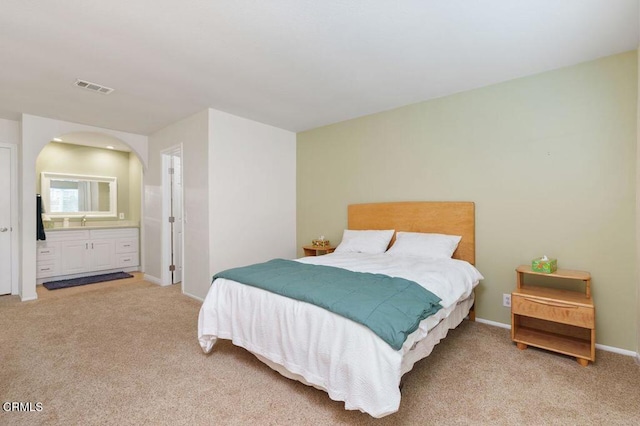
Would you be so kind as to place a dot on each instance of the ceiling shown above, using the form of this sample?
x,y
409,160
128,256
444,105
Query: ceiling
x,y
293,64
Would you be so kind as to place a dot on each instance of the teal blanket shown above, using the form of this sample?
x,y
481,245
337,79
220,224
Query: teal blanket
x,y
391,307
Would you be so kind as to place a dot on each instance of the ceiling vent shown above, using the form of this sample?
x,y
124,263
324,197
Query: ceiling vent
x,y
93,87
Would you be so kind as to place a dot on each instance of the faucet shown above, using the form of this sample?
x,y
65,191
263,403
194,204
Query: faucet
x,y
84,220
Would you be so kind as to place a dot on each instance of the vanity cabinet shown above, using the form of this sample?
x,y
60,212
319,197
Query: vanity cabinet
x,y
87,255
84,251
48,259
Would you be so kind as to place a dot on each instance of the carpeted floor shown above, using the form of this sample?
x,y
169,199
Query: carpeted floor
x,y
126,353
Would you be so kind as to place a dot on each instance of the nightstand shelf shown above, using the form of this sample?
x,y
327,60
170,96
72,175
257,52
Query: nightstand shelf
x,y
555,342
317,251
562,321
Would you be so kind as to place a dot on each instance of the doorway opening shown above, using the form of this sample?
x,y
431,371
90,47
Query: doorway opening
x,y
172,217
91,187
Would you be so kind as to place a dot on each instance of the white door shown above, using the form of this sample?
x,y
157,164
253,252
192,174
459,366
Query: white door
x,y
176,212
172,216
5,220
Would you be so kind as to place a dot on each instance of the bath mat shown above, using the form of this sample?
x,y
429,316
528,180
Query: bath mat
x,y
73,282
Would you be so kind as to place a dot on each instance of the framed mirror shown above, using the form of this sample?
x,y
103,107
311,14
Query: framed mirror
x,y
67,195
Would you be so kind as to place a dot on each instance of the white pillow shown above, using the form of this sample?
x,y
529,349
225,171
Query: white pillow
x,y
371,242
416,244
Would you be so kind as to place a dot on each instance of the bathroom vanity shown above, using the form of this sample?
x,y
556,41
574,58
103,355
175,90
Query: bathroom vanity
x,y
83,251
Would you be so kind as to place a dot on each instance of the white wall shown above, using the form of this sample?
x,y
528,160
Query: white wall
x,y
9,131
36,133
192,133
135,189
239,180
252,182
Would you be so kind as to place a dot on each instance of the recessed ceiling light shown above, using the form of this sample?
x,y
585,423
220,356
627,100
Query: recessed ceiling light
x,y
57,140
111,147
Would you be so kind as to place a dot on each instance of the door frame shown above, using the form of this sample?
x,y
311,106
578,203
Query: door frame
x,y
15,231
165,275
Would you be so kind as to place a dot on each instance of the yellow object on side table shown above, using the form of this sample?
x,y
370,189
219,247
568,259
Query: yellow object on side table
x,y
318,247
320,242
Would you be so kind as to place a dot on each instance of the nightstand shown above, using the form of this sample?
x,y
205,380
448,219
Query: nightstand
x,y
317,251
557,320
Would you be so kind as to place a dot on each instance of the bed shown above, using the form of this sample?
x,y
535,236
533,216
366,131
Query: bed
x,y
344,358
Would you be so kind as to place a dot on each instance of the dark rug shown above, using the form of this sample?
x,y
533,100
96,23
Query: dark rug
x,y
73,282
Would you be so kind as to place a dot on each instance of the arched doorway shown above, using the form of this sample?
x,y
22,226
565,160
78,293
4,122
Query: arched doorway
x,y
88,182
37,132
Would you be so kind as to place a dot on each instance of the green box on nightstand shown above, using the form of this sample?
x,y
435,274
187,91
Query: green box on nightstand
x,y
544,265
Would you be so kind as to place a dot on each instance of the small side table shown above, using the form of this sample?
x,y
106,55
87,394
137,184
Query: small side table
x,y
317,251
556,320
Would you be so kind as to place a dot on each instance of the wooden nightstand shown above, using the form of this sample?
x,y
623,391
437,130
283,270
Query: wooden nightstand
x,y
317,251
562,321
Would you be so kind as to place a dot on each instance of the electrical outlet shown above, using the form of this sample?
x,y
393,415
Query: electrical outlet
x,y
121,216
506,300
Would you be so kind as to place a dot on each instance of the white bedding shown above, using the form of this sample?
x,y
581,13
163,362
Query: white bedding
x,y
350,362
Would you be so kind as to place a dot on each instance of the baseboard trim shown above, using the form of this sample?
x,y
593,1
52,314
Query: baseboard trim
x,y
598,345
152,279
158,281
493,323
200,299
615,350
28,298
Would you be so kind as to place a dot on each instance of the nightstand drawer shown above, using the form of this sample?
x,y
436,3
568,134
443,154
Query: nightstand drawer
x,y
553,310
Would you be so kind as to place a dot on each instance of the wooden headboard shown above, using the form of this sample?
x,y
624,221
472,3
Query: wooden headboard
x,y
446,217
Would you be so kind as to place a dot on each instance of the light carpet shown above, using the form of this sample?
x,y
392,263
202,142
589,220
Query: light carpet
x,y
127,353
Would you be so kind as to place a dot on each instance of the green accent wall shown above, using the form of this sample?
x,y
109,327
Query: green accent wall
x,y
549,160
85,160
